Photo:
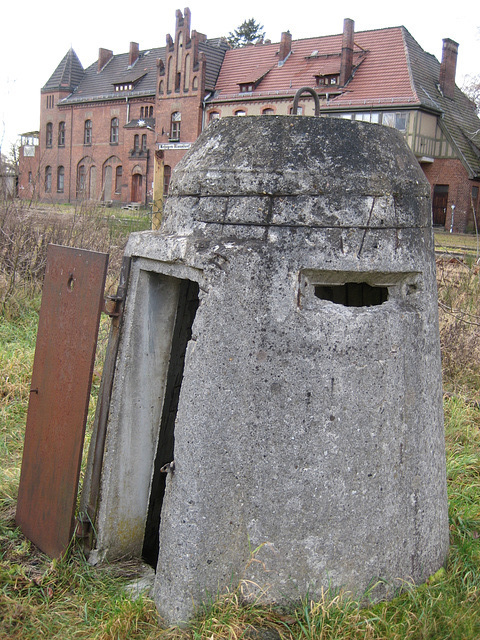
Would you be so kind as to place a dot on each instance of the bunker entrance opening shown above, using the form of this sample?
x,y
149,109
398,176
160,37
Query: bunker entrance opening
x,y
182,333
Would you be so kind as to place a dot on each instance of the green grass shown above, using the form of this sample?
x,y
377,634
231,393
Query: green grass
x,y
40,598
457,244
17,347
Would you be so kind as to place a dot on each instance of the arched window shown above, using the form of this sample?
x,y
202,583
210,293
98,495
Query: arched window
x,y
87,132
60,179
49,134
213,115
150,114
118,179
169,75
175,123
160,87
48,179
141,113
144,142
167,174
114,131
61,134
195,83
268,112
107,182
179,51
178,70
186,75
136,143
240,112
81,181
92,183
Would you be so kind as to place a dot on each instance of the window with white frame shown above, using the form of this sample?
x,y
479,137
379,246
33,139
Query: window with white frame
x,y
49,134
48,179
175,122
60,179
114,131
61,134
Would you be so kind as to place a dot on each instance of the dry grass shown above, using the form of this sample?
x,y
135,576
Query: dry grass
x,y
459,317
25,234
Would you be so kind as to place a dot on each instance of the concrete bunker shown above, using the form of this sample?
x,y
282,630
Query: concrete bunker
x,y
293,280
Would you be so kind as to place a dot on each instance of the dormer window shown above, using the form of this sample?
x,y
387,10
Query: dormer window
x,y
124,87
129,81
327,80
250,81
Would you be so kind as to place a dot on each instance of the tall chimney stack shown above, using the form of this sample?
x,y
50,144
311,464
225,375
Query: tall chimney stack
x,y
133,53
285,47
346,64
104,55
448,67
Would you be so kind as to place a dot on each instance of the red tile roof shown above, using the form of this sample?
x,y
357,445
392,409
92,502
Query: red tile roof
x,y
380,61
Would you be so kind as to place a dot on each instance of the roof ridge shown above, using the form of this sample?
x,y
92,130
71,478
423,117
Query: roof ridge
x,y
409,65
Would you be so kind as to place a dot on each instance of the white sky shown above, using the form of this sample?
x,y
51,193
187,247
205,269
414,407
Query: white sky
x,y
36,35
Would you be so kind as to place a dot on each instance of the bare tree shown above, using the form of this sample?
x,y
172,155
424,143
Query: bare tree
x,y
471,88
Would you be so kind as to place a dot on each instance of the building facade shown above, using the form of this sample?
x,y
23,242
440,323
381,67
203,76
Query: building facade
x,y
103,129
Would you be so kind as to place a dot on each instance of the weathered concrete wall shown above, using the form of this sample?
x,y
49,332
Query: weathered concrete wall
x,y
309,434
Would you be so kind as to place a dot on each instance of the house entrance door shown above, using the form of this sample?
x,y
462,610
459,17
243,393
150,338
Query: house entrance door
x,y
136,188
439,205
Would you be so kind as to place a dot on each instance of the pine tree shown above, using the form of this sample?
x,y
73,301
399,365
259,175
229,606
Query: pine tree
x,y
248,32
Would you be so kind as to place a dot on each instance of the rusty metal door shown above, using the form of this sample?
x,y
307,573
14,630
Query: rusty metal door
x,y
72,302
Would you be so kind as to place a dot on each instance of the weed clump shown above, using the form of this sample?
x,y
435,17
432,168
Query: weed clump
x,y
25,234
459,318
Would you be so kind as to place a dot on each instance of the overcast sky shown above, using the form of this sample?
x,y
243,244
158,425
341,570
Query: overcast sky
x,y
36,35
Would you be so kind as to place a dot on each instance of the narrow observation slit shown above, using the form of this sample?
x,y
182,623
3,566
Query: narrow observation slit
x,y
182,333
352,294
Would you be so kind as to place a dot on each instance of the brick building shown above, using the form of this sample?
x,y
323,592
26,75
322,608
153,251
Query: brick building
x,y
29,166
101,127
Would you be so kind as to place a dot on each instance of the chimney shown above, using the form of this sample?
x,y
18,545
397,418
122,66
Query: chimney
x,y
448,67
346,64
133,53
104,55
285,47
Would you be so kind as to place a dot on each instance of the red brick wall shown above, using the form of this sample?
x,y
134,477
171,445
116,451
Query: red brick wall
x,y
451,172
28,178
190,108
182,91
97,156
